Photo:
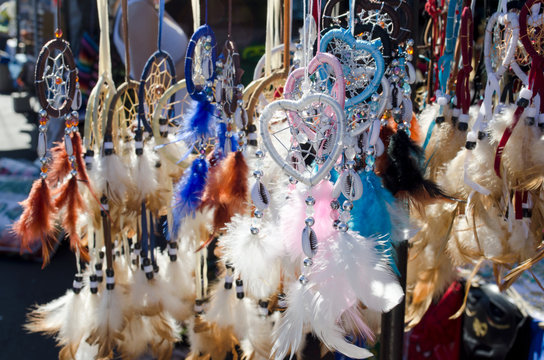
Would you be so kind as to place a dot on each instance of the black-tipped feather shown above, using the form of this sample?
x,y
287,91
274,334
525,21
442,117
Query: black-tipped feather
x,y
405,172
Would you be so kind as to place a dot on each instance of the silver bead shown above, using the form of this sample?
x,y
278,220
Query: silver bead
x,y
394,78
309,221
254,230
396,111
75,115
257,174
409,57
308,262
310,201
67,131
320,160
43,160
292,180
42,113
42,128
209,98
375,97
303,279
240,103
335,204
219,63
395,62
71,158
410,42
347,205
342,226
43,175
73,172
258,214
350,164
240,88
241,134
259,154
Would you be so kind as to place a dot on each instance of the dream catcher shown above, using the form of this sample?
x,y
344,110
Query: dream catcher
x,y
104,90
58,93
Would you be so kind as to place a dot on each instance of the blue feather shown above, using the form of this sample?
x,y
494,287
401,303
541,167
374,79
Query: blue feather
x,y
199,124
370,215
188,194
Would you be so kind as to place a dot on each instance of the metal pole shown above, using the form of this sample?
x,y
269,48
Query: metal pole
x,y
391,344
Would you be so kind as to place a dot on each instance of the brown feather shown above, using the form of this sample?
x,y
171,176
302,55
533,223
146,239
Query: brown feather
x,y
60,165
71,200
36,221
226,189
80,162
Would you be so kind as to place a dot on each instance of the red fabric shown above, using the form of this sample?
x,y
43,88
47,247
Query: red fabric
x,y
436,336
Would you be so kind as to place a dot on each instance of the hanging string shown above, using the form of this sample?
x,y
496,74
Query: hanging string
x,y
58,14
124,9
104,61
229,28
161,16
206,13
195,5
286,34
269,37
352,16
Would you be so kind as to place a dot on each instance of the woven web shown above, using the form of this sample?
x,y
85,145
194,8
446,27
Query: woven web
x,y
321,81
358,66
535,29
126,113
306,138
156,83
200,54
377,18
57,78
229,72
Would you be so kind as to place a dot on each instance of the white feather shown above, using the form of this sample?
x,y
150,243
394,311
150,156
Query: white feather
x,y
221,306
116,175
178,280
144,173
109,318
351,259
255,257
288,334
333,337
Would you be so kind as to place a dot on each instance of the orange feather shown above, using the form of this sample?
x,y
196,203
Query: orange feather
x,y
60,165
71,200
36,221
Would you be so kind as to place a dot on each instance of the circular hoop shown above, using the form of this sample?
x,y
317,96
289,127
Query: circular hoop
x,y
201,32
157,60
41,78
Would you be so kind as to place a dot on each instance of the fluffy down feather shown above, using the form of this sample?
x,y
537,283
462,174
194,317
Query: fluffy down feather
x,y
350,260
257,258
199,124
188,194
288,334
109,321
144,177
116,176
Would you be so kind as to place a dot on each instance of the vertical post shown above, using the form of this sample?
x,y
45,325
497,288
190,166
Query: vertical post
x,y
18,23
391,344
